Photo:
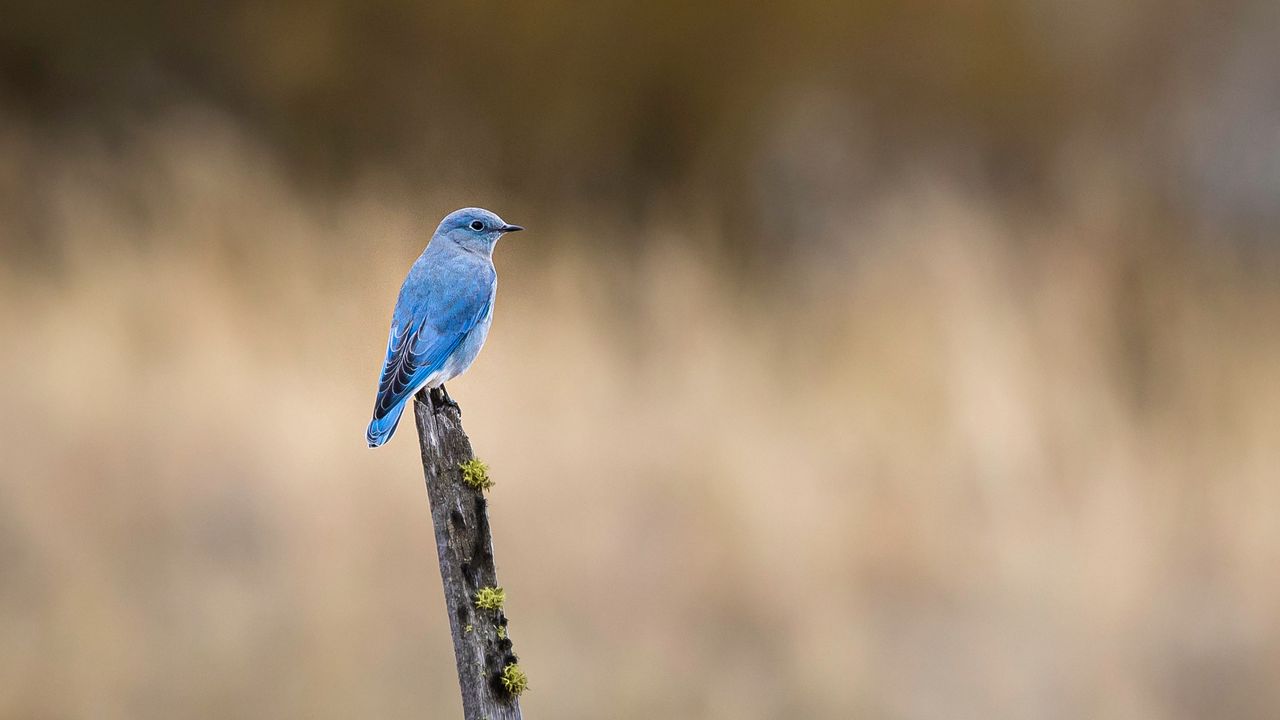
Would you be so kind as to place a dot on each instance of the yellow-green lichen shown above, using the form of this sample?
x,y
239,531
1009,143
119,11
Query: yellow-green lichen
x,y
468,628
476,474
502,633
514,679
490,598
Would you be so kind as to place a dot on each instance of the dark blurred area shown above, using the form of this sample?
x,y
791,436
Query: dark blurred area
x,y
748,114
897,360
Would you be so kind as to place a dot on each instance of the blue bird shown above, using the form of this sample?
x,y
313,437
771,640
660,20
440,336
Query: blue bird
x,y
442,316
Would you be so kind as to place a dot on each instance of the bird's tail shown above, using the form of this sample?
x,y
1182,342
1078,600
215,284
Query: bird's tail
x,y
383,426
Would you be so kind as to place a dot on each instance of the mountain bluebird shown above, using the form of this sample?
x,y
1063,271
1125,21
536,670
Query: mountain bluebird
x,y
442,315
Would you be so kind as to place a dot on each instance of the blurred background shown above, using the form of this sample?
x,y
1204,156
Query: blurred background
x,y
903,360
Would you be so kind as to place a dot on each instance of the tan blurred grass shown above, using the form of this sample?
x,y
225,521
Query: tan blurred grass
x,y
961,467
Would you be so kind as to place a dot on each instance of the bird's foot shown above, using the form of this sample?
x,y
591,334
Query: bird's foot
x,y
440,398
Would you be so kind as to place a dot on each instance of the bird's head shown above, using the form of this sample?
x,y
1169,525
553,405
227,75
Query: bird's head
x,y
474,228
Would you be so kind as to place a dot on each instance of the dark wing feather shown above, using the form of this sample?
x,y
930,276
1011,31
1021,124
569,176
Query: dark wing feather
x,y
415,350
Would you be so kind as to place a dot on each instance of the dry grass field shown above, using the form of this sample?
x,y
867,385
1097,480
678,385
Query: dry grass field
x,y
952,462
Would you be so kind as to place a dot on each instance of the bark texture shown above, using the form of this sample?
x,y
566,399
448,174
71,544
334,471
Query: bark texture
x,y
460,515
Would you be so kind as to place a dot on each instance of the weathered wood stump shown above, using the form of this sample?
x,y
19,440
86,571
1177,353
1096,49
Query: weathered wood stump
x,y
487,672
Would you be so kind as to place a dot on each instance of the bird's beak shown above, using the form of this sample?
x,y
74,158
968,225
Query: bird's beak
x,y
511,228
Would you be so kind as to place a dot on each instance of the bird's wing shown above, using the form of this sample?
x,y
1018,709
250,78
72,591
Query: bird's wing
x,y
418,347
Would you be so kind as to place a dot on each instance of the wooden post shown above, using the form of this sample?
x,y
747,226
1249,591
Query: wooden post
x,y
487,672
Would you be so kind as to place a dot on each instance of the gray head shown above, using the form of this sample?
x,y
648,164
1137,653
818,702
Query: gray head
x,y
475,229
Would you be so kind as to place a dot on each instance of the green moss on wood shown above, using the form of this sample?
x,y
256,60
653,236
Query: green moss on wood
x,y
490,598
514,679
476,474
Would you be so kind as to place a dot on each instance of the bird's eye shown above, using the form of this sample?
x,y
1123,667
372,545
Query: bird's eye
x,y
477,225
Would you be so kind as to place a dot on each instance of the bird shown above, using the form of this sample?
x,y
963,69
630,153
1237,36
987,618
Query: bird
x,y
442,315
